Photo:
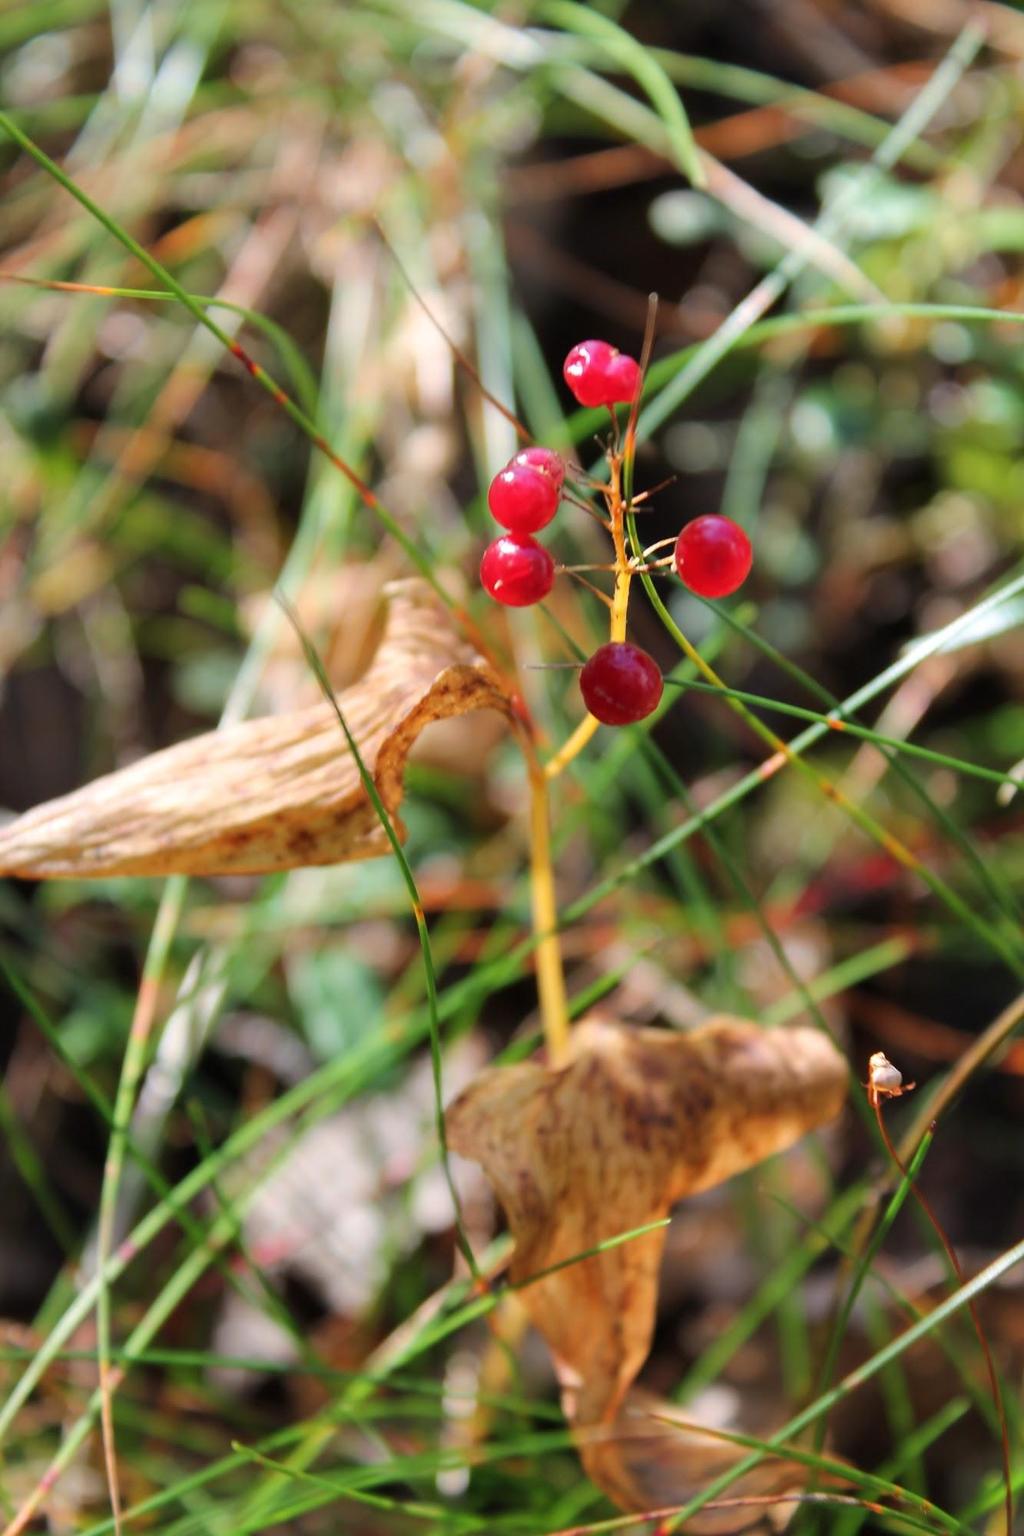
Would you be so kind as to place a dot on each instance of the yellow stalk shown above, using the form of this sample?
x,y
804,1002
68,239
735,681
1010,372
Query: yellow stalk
x,y
571,747
574,744
550,977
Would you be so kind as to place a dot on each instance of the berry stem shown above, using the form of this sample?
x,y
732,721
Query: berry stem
x,y
624,573
571,747
574,572
623,569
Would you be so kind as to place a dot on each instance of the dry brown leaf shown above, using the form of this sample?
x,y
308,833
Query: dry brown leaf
x,y
643,1462
634,1121
273,793
341,607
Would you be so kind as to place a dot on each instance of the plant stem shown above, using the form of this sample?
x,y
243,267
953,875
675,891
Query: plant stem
x,y
623,569
624,573
550,974
571,747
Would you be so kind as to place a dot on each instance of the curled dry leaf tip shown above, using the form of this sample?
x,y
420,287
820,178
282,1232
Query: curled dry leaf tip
x,y
632,1122
273,793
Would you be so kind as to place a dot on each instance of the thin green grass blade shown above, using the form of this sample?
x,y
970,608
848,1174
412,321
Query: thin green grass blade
x,y
1009,950
839,978
916,1444
837,1333
869,1483
998,892
841,725
421,562
813,107
646,69
908,128
292,361
409,880
751,781
894,1391
839,1219
863,1373
409,1509
582,424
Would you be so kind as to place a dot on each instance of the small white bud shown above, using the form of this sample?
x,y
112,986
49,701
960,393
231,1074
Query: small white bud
x,y
883,1074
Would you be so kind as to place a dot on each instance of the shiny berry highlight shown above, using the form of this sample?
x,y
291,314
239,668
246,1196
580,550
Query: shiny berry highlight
x,y
545,459
599,374
713,556
517,571
523,497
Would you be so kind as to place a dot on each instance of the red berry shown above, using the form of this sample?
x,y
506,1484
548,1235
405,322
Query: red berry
x,y
713,556
620,683
545,459
624,376
522,497
598,374
516,570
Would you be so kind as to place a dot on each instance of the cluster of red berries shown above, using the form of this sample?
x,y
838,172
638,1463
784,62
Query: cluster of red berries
x,y
620,683
523,497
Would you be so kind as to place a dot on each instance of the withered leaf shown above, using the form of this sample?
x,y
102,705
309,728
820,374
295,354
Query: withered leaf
x,y
634,1120
273,793
342,606
643,1461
